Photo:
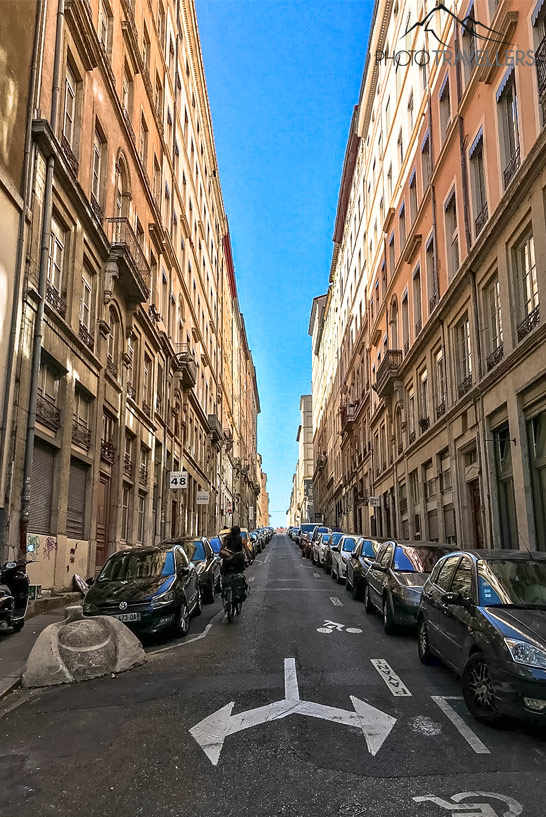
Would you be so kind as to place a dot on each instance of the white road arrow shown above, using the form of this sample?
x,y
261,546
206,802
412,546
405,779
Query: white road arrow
x,y
211,732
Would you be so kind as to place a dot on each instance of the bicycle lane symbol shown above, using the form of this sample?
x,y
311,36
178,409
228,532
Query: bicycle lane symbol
x,y
477,808
333,626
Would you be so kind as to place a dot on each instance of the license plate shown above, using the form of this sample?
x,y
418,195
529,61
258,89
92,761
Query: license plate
x,y
128,616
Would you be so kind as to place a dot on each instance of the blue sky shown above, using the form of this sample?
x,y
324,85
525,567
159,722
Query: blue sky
x,y
283,78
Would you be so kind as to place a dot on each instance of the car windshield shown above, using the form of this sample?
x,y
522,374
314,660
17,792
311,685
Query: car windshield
x,y
326,538
322,530
417,559
335,538
512,583
307,528
133,565
369,548
349,544
199,554
216,545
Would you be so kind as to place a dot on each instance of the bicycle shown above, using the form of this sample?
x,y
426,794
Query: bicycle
x,y
234,592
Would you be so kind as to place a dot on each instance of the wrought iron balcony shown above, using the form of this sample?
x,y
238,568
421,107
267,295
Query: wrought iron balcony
x,y
433,300
406,347
321,461
424,424
348,414
418,327
481,219
465,385
540,64
400,447
111,367
532,320
440,409
81,435
107,451
130,390
97,209
86,337
411,437
146,408
495,357
512,167
387,372
128,466
53,297
47,413
185,364
215,428
143,476
134,271
69,155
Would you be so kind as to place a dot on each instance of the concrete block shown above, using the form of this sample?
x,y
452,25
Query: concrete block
x,y
79,648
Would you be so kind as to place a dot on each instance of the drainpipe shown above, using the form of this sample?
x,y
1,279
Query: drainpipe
x,y
17,298
42,282
460,126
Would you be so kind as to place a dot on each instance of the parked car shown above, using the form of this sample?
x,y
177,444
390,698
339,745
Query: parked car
x,y
216,544
394,582
256,542
295,535
306,531
149,588
315,538
358,565
207,564
341,554
334,540
319,546
483,613
247,545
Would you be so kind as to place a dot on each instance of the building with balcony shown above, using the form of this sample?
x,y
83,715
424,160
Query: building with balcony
x,y
129,287
432,324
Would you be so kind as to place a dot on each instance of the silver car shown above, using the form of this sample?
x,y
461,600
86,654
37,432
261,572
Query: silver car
x,y
341,553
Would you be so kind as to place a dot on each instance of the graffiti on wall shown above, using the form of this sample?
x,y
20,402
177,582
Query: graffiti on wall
x,y
37,544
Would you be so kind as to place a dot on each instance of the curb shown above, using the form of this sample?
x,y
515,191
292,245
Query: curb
x,y
47,603
10,683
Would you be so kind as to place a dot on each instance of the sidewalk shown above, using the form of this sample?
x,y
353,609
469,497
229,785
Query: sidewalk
x,y
15,647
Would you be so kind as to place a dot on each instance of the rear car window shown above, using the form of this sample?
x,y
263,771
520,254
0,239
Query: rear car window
x,y
417,559
369,548
349,544
216,545
199,553
335,538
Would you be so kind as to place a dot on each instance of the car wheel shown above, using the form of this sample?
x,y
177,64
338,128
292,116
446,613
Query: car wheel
x,y
478,691
208,595
197,610
339,579
182,620
368,605
388,623
423,645
18,625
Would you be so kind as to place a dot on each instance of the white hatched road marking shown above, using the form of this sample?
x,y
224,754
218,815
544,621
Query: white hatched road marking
x,y
336,602
251,578
316,575
392,680
471,738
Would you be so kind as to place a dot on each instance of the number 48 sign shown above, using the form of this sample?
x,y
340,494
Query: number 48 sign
x,y
178,479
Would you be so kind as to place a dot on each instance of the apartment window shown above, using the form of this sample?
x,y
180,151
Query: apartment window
x,y
389,182
413,196
141,518
445,107
402,225
464,355
47,383
147,383
414,487
112,344
477,179
494,316
161,24
525,264
158,96
425,161
388,115
439,383
509,128
452,235
505,487
429,480
98,152
432,278
423,400
411,119
400,144
405,322
69,106
469,48
143,141
104,27
125,513
392,256
85,301
157,181
417,311
127,92
445,471
56,256
146,49
411,415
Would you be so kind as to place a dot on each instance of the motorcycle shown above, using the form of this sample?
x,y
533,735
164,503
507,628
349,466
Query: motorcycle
x,y
14,592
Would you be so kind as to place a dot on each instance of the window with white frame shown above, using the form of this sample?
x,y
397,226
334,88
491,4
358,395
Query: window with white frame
x,y
509,127
98,152
525,263
86,300
494,315
464,354
69,119
439,382
56,255
452,235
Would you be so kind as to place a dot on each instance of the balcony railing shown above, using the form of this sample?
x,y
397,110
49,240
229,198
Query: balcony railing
x,y
540,63
129,124
465,385
215,428
433,300
532,320
47,413
111,367
495,357
86,337
133,266
348,413
53,297
406,347
127,466
130,390
418,327
481,219
107,451
69,155
424,424
81,435
411,437
512,167
143,476
96,208
184,362
440,409
146,408
387,372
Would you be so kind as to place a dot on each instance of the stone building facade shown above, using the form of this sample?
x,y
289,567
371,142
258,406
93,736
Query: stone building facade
x,y
429,353
132,351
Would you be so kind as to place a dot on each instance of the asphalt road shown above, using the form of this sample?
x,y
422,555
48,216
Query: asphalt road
x,y
336,742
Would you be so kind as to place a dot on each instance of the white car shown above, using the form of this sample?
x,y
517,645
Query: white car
x,y
318,552
341,553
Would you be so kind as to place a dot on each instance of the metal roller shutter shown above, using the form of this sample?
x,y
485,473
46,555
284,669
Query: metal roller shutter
x,y
41,487
75,512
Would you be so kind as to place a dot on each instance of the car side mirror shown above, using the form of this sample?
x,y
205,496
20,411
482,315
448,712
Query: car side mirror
x,y
457,600
90,581
378,566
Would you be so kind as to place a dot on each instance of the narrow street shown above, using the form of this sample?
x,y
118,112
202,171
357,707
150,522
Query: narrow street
x,y
123,745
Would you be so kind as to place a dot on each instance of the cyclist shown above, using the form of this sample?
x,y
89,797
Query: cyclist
x,y
234,586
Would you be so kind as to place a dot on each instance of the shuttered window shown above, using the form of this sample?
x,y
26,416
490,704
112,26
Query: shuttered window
x,y
75,512
41,487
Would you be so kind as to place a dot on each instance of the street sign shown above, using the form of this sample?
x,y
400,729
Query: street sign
x,y
229,508
203,497
251,513
178,479
374,502
211,732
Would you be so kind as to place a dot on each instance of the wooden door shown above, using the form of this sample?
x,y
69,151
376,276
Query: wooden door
x,y
475,504
103,520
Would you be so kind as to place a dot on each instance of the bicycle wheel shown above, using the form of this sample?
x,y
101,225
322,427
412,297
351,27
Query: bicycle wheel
x,y
238,608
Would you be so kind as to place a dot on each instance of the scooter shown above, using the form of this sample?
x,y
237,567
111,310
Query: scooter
x,y
14,592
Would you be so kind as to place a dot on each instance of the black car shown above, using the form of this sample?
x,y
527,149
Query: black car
x,y
360,562
200,552
483,613
394,582
149,588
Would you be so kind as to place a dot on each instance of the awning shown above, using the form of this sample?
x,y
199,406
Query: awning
x,y
504,82
402,206
412,177
416,271
449,199
430,241
443,86
391,239
383,265
536,12
475,143
468,14
425,141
